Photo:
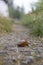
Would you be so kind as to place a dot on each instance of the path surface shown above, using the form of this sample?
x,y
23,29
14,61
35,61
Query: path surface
x,y
19,33
8,49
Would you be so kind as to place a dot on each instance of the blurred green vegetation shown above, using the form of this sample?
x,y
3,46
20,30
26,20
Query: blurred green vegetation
x,y
34,20
5,24
15,12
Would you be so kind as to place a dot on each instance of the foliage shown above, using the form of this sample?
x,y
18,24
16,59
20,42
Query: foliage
x,y
27,21
34,21
39,5
17,14
14,13
11,12
5,24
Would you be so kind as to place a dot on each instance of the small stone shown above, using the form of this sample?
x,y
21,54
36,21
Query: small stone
x,y
28,60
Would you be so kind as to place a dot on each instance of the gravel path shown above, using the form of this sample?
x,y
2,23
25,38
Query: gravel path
x,y
19,33
32,53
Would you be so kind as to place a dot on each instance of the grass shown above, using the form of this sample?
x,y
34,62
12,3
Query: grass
x,y
5,24
34,21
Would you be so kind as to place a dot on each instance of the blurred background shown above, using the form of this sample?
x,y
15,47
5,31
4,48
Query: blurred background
x,y
21,4
21,21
